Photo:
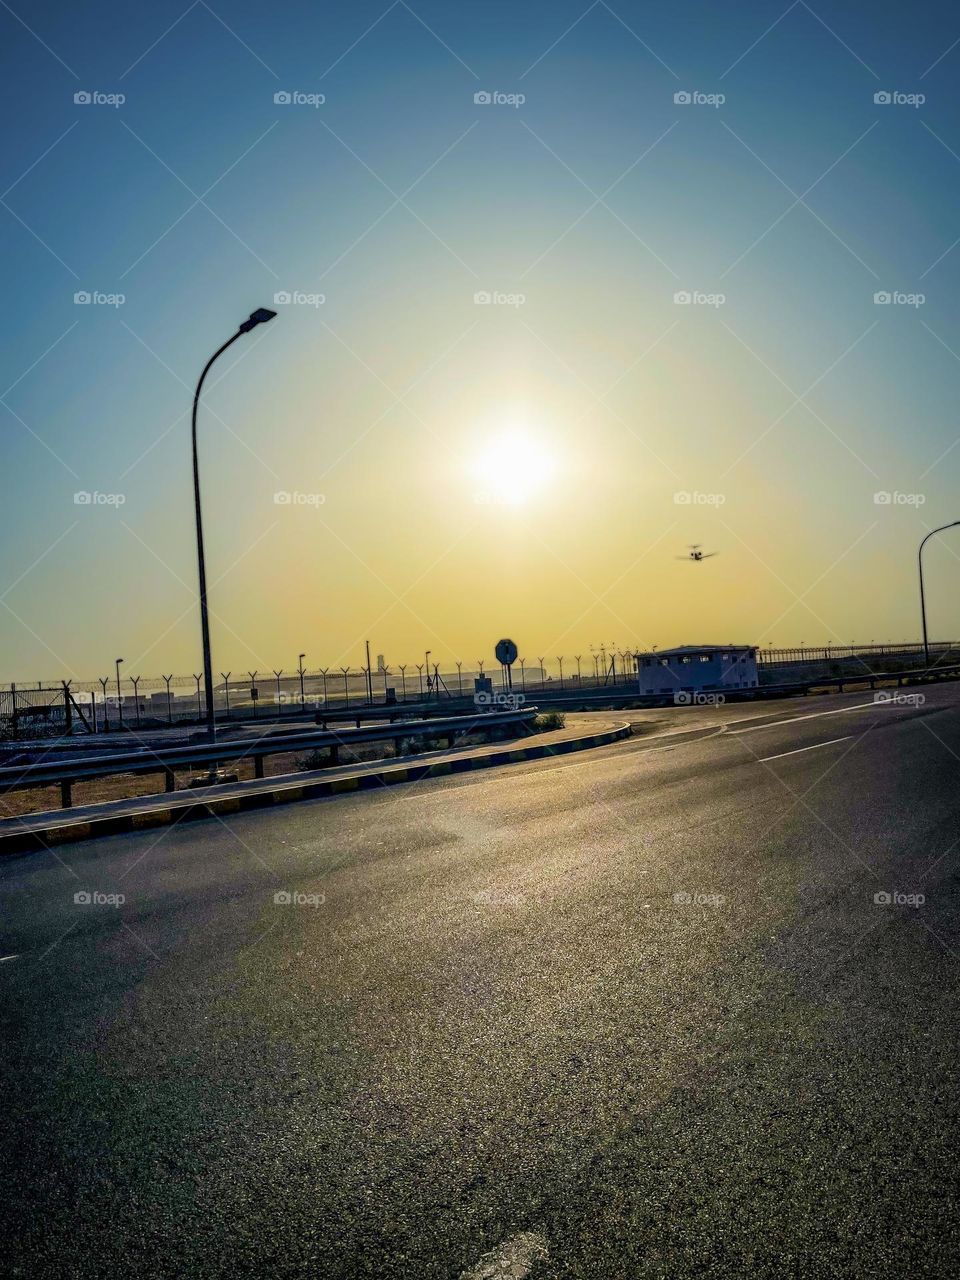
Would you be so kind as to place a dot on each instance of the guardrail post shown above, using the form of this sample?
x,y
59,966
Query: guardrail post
x,y
335,752
258,766
66,794
169,780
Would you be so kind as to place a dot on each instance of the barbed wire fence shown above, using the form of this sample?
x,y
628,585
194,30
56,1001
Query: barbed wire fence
x,y
50,708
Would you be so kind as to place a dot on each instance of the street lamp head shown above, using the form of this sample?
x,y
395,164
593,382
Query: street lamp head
x,y
260,316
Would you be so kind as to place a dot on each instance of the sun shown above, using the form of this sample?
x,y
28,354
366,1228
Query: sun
x,y
514,467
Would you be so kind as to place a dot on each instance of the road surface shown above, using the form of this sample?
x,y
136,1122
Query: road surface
x,y
685,1006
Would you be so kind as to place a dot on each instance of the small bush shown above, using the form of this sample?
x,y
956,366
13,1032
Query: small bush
x,y
315,760
548,720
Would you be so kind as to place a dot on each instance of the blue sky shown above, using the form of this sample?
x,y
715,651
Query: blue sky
x,y
598,199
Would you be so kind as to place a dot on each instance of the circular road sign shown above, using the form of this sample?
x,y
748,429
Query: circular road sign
x,y
506,652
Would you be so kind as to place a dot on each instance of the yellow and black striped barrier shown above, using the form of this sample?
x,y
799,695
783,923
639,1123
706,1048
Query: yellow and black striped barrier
x,y
258,796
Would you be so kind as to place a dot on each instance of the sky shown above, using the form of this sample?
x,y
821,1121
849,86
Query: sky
x,y
560,289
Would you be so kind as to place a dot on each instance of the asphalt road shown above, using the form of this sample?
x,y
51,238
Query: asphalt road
x,y
632,1014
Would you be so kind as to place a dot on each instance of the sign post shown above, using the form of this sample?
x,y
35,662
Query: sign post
x,y
506,654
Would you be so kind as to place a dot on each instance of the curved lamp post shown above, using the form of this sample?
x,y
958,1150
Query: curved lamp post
x,y
923,607
259,316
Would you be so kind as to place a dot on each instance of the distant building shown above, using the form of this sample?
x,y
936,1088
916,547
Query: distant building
x,y
696,668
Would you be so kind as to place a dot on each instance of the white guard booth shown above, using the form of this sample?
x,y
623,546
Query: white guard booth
x,y
697,668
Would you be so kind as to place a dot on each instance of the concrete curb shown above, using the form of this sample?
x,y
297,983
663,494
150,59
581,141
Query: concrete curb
x,y
60,832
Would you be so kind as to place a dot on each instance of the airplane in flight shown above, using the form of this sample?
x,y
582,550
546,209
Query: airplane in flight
x,y
696,555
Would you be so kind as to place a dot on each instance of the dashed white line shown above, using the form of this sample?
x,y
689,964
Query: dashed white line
x,y
511,1260
814,715
796,751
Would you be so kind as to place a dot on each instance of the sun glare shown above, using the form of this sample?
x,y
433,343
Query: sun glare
x,y
514,468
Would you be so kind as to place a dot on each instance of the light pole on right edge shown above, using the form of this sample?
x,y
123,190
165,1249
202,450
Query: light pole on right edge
x,y
923,606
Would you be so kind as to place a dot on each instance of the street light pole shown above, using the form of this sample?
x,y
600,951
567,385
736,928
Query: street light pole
x,y
256,317
119,695
923,606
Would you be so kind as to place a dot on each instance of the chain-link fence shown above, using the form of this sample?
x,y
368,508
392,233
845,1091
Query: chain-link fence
x,y
143,702
153,702
37,711
941,649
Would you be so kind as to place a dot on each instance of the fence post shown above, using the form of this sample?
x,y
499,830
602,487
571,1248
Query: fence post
x,y
67,708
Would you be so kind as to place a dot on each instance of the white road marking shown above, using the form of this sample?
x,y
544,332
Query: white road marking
x,y
4,959
511,1260
797,750
814,715
635,745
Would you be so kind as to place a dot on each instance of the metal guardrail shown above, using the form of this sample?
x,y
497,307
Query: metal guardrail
x,y
453,706
167,761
